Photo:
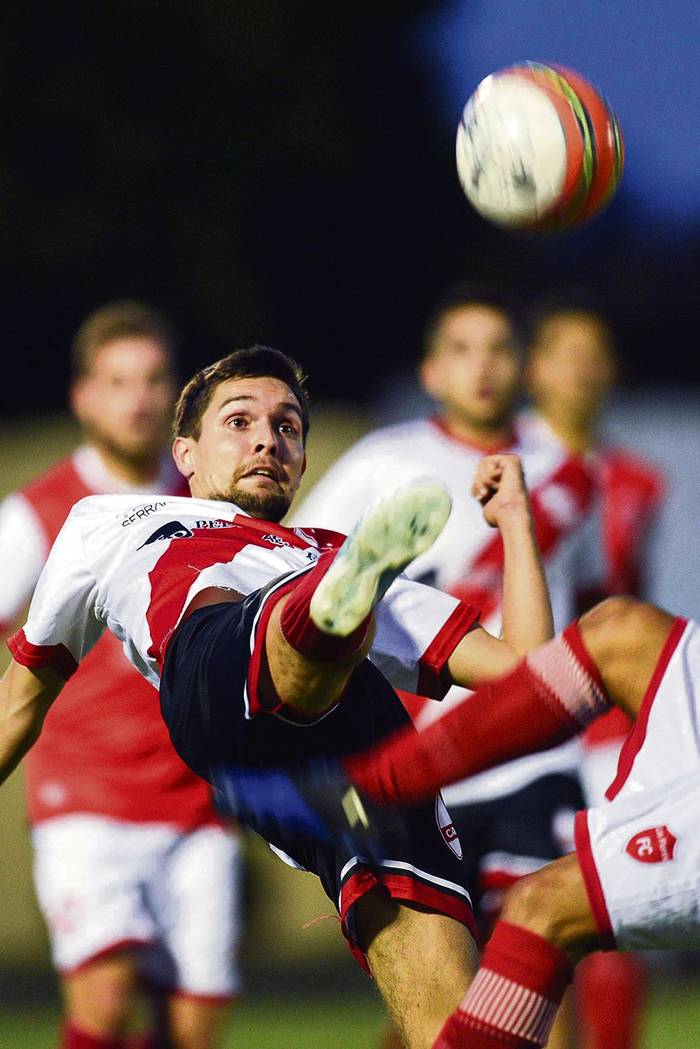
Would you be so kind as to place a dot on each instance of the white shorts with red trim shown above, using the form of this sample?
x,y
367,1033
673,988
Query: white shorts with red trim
x,y
105,885
640,850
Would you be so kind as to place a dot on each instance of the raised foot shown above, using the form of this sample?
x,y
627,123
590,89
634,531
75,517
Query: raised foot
x,y
393,532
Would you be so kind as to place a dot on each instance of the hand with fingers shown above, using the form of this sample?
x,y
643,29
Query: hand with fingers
x,y
499,485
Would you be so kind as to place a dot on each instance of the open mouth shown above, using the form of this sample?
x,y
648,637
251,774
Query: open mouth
x,y
267,472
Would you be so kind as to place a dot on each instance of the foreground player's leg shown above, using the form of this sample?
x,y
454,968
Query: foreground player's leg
x,y
527,964
550,696
421,962
320,631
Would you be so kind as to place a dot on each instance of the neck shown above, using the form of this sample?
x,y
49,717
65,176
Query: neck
x,y
483,435
131,471
577,433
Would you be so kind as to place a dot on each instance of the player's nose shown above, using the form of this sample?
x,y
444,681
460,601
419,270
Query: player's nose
x,y
267,438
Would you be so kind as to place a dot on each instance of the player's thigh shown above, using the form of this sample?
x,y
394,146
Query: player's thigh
x,y
195,896
422,963
99,996
89,875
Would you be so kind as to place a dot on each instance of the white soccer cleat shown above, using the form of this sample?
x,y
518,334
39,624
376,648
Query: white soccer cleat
x,y
391,534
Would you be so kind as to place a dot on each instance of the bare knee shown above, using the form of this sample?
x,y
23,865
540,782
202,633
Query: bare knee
x,y
99,998
625,637
553,903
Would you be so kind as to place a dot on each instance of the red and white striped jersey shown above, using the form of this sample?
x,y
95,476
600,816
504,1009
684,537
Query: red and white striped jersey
x,y
630,494
123,765
467,558
134,568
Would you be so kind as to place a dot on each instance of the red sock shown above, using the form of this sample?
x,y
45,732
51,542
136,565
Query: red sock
x,y
73,1037
302,633
610,993
514,997
549,697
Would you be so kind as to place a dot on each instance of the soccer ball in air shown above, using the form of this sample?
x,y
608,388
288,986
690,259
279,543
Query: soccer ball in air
x,y
538,148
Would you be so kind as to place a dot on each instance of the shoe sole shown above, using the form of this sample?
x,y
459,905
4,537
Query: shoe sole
x,y
392,533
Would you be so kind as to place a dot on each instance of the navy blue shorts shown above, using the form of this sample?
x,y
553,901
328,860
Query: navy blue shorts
x,y
210,705
507,837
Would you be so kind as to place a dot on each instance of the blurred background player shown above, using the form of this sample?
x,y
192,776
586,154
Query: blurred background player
x,y
572,366
135,873
513,820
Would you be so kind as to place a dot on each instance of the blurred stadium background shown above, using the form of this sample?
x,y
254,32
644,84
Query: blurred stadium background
x,y
284,173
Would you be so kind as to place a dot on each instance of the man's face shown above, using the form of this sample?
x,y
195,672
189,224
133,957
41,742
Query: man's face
x,y
125,400
250,450
473,368
571,366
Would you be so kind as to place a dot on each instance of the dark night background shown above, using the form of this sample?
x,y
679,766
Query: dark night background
x,y
279,172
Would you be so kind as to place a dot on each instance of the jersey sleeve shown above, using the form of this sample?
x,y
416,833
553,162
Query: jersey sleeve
x,y
23,550
62,625
417,630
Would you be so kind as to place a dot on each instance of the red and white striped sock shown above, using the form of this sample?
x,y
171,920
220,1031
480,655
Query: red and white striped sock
x,y
513,1000
299,630
549,697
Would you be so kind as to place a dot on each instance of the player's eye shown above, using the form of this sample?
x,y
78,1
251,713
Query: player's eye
x,y
237,422
290,429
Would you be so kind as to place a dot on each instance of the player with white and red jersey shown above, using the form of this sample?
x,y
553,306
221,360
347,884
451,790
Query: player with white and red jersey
x,y
571,369
633,881
515,818
125,836
257,635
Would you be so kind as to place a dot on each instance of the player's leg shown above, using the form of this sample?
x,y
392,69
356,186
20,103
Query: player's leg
x,y
194,893
626,638
196,1024
320,630
87,872
611,991
526,966
610,988
609,655
98,1003
421,962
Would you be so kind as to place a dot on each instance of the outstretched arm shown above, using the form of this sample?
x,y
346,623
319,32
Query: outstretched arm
x,y
25,698
499,485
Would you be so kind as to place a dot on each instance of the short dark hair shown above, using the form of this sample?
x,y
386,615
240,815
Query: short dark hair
x,y
254,362
464,294
122,319
571,302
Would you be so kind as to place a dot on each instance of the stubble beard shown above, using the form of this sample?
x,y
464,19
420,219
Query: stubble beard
x,y
269,506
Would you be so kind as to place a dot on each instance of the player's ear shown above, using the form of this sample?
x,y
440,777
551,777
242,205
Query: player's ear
x,y
79,398
429,373
183,454
303,465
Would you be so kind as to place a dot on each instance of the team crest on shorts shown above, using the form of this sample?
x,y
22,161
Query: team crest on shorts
x,y
654,845
447,827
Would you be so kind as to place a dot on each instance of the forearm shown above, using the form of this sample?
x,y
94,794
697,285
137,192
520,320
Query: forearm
x,y
24,701
527,611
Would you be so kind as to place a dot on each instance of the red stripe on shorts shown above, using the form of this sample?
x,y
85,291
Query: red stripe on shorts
x,y
635,740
